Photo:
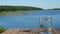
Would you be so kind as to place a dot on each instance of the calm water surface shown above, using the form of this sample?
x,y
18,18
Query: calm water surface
x,y
30,20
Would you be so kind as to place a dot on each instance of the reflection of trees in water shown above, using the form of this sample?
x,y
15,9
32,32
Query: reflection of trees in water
x,y
17,13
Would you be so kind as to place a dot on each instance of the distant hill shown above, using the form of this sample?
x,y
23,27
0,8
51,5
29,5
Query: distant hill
x,y
54,9
18,8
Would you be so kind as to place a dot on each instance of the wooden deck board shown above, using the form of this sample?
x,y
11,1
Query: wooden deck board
x,y
27,31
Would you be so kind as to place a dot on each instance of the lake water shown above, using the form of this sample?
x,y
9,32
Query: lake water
x,y
30,20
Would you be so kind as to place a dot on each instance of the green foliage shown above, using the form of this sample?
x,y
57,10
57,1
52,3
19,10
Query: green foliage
x,y
41,26
2,29
18,8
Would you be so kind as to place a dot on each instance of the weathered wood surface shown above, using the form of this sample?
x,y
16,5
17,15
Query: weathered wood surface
x,y
27,31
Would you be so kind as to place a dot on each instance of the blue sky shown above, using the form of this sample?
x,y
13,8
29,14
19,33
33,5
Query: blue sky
x,y
36,3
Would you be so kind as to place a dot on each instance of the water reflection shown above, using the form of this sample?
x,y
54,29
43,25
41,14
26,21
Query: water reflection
x,y
45,32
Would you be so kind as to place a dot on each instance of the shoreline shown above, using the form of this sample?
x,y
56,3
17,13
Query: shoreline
x,y
28,31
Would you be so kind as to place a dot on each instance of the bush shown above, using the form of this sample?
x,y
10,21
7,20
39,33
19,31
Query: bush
x,y
41,26
2,29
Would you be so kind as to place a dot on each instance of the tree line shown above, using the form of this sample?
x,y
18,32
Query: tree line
x,y
18,8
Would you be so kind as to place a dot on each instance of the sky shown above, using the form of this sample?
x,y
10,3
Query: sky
x,y
45,4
